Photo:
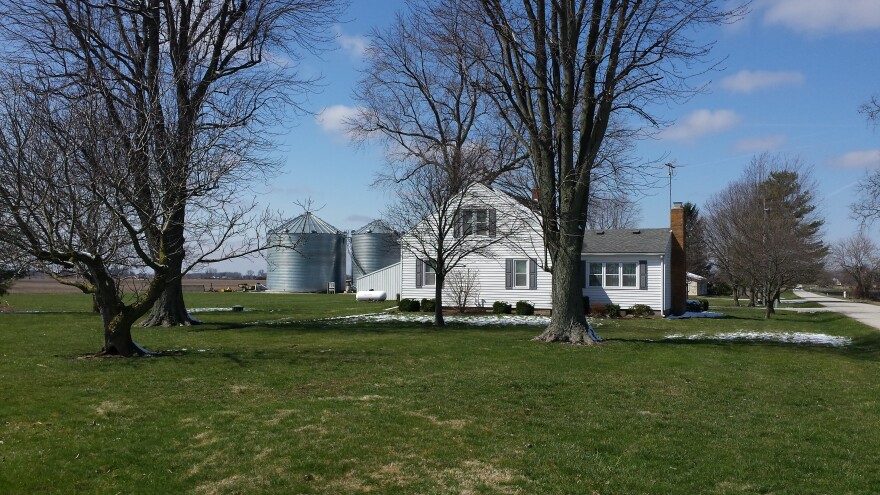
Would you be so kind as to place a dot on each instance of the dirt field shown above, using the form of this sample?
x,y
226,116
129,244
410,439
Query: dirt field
x,y
46,285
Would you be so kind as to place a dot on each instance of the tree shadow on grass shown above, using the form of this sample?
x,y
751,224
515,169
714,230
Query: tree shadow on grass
x,y
336,326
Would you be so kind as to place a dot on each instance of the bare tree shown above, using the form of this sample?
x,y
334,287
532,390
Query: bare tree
x,y
616,211
764,232
567,75
420,94
859,258
190,85
62,209
444,223
866,208
871,109
463,288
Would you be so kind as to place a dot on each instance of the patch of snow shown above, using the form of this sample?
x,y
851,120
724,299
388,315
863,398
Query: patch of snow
x,y
784,337
483,320
695,314
206,310
35,312
479,321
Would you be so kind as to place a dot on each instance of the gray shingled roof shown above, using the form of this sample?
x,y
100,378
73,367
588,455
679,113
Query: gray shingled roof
x,y
626,241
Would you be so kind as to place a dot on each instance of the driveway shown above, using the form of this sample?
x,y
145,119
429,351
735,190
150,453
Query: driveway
x,y
868,314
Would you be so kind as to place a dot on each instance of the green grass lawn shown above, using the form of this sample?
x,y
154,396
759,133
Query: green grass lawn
x,y
271,401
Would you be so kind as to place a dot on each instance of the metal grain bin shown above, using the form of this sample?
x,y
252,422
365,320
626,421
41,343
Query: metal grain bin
x,y
312,254
374,246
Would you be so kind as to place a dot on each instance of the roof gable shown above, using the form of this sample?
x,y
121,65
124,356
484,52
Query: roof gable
x,y
626,241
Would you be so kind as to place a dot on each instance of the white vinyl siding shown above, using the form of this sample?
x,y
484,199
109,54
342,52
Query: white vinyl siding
x,y
628,290
526,244
387,279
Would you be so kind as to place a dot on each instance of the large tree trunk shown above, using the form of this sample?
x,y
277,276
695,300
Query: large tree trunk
x,y
117,337
567,321
170,309
438,301
117,319
769,309
736,295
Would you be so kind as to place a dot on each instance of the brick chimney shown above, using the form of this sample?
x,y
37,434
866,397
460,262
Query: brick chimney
x,y
677,262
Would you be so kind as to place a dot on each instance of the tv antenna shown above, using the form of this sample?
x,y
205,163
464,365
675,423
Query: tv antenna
x,y
670,168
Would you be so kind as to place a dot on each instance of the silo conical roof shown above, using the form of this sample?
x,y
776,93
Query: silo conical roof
x,y
375,227
307,223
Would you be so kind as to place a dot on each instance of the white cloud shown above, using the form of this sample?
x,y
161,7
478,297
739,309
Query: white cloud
x,y
356,46
821,16
759,144
748,81
701,123
333,118
859,159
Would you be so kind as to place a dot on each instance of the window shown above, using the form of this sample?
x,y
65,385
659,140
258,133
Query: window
x,y
612,274
595,274
430,275
475,221
628,278
521,274
616,274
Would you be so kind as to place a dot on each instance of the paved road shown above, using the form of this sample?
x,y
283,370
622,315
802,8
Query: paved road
x,y
868,314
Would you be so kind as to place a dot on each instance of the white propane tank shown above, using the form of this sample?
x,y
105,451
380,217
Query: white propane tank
x,y
371,295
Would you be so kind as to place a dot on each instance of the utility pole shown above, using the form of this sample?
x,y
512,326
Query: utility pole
x,y
670,166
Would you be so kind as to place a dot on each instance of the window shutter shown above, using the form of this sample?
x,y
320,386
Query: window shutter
x,y
492,222
584,274
533,274
456,224
508,273
643,275
420,273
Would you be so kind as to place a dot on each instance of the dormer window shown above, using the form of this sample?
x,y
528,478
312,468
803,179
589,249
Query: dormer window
x,y
475,221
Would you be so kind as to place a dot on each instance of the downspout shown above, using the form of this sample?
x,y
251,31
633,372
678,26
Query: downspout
x,y
663,279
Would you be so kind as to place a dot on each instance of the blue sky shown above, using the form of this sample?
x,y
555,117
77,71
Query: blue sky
x,y
794,76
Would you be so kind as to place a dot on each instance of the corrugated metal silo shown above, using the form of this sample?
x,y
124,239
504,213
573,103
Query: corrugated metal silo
x,y
312,255
373,246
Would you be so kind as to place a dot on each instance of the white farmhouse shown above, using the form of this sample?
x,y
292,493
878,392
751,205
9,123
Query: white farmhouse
x,y
620,266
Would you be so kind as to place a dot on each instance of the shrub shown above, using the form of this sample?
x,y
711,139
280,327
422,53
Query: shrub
x,y
720,289
694,306
408,305
524,308
640,311
613,310
599,309
586,305
428,305
705,303
501,308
